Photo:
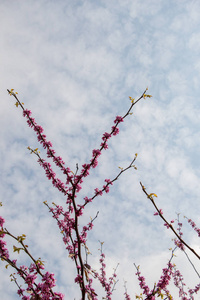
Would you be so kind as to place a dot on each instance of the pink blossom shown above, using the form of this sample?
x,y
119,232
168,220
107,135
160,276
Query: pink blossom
x,y
79,212
98,192
109,181
90,225
48,282
30,279
106,188
25,298
39,128
156,213
194,226
127,297
96,152
85,170
20,292
87,200
78,188
104,145
48,145
32,268
118,119
166,225
78,279
106,136
2,221
179,244
58,296
115,130
3,250
27,113
94,163
165,278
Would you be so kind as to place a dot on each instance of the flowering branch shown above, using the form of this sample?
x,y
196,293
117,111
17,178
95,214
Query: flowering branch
x,y
41,137
166,223
41,290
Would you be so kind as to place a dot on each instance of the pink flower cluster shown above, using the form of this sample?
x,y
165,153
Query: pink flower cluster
x,y
178,282
106,284
43,290
195,290
90,291
194,226
159,287
51,175
3,250
127,297
165,278
97,152
160,211
46,145
142,283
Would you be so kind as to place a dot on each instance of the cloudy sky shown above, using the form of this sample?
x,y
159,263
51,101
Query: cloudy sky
x,y
74,64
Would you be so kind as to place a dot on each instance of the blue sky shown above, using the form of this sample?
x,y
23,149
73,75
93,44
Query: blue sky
x,y
74,64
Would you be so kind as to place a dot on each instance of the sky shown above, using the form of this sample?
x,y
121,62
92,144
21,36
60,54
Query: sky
x,y
74,64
